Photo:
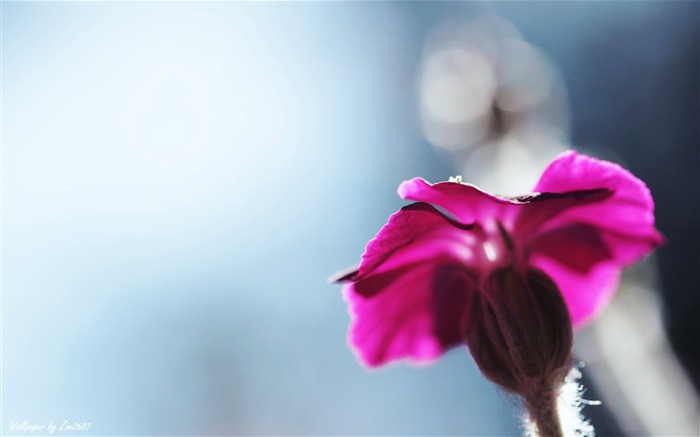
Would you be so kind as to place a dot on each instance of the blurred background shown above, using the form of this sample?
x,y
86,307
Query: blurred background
x,y
179,180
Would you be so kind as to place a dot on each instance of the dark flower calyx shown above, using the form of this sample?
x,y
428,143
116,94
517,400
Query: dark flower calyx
x,y
520,333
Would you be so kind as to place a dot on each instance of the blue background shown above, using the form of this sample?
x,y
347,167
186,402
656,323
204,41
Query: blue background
x,y
179,180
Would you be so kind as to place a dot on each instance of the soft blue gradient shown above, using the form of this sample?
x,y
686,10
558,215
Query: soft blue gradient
x,y
179,179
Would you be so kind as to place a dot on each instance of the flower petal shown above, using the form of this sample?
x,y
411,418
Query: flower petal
x,y
465,202
626,216
468,204
412,312
420,229
585,293
585,262
585,247
579,262
409,294
578,246
540,208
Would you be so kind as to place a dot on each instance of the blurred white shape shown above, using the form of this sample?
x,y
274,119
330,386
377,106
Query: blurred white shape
x,y
489,251
458,85
630,359
649,377
525,80
492,102
521,155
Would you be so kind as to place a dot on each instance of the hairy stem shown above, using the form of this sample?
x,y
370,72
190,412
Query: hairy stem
x,y
543,412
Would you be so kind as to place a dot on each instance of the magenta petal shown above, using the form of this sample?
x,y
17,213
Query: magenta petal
x,y
585,263
466,203
585,293
578,246
579,262
627,216
419,228
409,294
414,312
415,287
584,248
542,207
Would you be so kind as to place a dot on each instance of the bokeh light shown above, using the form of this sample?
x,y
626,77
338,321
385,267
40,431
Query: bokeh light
x,y
492,102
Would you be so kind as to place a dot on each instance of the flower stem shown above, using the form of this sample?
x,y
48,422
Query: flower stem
x,y
543,412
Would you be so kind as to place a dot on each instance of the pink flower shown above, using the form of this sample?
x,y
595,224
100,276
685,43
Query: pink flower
x,y
447,269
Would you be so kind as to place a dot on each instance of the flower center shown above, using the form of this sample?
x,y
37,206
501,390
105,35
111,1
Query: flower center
x,y
490,250
494,246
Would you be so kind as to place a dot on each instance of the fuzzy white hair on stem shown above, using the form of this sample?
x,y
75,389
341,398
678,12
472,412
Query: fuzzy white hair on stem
x,y
570,402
